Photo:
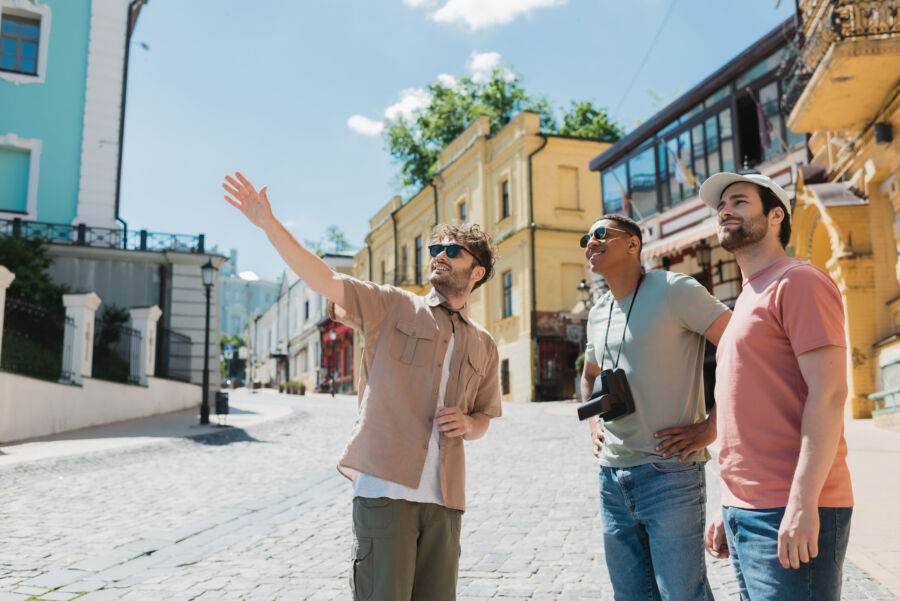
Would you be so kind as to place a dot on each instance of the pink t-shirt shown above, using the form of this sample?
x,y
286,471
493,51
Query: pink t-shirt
x,y
785,310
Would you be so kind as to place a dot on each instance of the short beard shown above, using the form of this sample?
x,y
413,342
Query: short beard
x,y
454,286
749,233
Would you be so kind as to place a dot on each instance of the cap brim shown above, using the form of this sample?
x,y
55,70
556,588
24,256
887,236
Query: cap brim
x,y
711,190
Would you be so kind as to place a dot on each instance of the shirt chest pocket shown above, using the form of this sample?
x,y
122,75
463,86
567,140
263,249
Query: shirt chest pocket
x,y
411,344
472,376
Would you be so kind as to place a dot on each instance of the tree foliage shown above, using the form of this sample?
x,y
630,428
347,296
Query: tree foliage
x,y
414,143
335,240
27,258
583,120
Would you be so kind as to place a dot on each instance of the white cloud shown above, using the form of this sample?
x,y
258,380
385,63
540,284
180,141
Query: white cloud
x,y
411,100
481,14
447,80
418,3
364,125
482,64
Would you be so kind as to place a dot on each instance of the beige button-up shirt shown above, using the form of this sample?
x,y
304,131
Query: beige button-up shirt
x,y
406,342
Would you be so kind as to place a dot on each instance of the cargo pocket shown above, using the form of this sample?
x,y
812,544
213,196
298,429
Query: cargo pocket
x,y
362,572
410,344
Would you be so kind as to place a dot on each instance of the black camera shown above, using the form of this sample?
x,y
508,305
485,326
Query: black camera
x,y
611,397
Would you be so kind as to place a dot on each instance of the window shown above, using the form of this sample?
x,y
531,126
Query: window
x,y
383,273
14,166
567,187
711,131
463,215
613,184
642,183
504,199
418,260
404,262
726,137
19,40
504,376
507,294
306,310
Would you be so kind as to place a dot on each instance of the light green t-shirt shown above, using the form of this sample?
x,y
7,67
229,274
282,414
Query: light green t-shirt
x,y
662,357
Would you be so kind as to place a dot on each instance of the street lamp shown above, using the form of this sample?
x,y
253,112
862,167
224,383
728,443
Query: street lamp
x,y
333,367
208,273
703,252
585,291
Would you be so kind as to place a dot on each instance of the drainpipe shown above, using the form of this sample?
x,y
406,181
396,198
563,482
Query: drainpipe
x,y
369,250
436,218
134,9
394,220
534,346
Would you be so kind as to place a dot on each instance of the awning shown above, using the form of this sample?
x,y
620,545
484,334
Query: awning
x,y
837,194
679,240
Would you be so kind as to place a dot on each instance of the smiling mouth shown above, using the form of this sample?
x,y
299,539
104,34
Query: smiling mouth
x,y
440,267
727,223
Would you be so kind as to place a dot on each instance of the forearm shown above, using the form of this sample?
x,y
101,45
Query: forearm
x,y
477,425
587,388
308,266
820,434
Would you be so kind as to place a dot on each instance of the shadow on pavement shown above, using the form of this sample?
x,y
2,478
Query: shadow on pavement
x,y
224,436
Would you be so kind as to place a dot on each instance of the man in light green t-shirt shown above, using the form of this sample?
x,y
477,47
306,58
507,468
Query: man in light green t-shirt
x,y
652,480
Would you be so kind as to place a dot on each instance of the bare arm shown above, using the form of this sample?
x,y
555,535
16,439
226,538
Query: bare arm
x,y
307,265
588,375
825,371
714,332
453,422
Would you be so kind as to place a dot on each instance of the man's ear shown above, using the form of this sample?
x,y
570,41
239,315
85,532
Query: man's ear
x,y
776,218
633,244
478,273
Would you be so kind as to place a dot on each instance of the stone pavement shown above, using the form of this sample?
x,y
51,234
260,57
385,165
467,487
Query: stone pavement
x,y
259,512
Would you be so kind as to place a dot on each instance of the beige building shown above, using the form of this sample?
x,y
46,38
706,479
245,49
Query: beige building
x,y
844,91
534,194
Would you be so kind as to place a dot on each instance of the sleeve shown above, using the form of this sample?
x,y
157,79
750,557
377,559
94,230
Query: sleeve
x,y
695,307
590,349
487,400
365,304
810,309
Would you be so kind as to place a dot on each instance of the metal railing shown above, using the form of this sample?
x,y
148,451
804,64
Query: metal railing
x,y
173,358
835,21
102,237
117,352
33,341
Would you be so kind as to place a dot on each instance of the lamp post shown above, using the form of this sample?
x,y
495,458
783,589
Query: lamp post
x,y
703,252
333,368
208,272
585,290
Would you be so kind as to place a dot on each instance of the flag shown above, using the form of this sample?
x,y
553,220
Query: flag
x,y
765,127
627,203
683,175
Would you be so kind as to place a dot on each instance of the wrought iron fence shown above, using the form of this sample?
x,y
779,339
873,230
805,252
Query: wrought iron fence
x,y
117,352
173,358
34,341
102,237
836,21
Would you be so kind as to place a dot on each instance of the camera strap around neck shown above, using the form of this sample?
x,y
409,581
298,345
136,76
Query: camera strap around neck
x,y
624,329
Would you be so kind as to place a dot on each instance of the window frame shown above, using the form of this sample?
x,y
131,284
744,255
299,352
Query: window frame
x,y
36,12
506,286
417,260
505,199
33,147
20,39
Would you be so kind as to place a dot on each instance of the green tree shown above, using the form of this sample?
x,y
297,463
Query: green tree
x,y
28,259
583,120
237,366
335,240
415,143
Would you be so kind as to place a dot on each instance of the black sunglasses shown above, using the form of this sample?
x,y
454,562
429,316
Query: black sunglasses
x,y
452,250
599,233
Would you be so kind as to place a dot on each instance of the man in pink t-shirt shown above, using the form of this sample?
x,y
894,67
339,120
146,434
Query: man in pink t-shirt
x,y
781,386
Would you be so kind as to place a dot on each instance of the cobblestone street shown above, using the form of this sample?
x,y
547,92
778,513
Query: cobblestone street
x,y
263,514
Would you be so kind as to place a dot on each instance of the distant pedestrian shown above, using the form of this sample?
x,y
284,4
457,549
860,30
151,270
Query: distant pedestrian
x,y
429,379
781,385
652,454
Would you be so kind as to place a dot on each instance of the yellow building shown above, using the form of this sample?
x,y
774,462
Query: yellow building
x,y
533,193
845,92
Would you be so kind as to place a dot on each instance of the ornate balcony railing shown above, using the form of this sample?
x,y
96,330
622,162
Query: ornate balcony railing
x,y
102,237
835,21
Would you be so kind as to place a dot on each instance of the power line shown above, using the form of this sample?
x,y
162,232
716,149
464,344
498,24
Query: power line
x,y
646,56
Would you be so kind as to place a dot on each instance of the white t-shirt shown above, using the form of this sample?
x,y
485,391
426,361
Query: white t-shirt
x,y
429,490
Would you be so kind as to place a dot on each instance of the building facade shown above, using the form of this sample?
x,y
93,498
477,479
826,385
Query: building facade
x,y
242,295
532,193
63,74
290,341
844,91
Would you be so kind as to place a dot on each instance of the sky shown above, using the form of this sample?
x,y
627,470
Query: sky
x,y
293,92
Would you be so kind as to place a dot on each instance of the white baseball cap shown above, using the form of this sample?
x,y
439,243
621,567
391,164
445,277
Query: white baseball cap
x,y
712,189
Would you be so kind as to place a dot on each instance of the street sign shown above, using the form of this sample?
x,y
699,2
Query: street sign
x,y
229,354
228,347
242,352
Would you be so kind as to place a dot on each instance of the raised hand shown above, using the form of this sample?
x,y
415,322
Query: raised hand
x,y
242,195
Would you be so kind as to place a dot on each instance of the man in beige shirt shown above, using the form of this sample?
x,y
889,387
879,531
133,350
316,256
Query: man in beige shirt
x,y
429,380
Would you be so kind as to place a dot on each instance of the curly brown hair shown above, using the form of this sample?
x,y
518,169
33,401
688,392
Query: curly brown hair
x,y
475,239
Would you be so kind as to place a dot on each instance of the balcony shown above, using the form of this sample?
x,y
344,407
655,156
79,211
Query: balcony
x,y
848,64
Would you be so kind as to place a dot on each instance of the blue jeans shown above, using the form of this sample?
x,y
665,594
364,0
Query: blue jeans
x,y
653,526
753,543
